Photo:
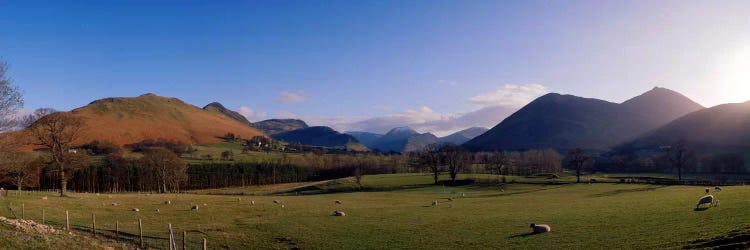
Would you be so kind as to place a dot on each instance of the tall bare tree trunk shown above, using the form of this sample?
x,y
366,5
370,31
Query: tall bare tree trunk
x,y
63,184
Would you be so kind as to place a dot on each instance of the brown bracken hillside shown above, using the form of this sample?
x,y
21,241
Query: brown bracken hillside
x,y
126,120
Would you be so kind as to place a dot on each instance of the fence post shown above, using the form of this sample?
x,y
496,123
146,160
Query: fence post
x,y
43,218
184,240
204,244
67,220
93,221
140,230
23,211
171,239
117,230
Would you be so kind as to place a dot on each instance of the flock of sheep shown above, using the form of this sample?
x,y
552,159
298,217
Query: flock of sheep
x,y
707,199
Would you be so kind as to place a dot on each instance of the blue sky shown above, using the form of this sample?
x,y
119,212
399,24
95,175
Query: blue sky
x,y
369,65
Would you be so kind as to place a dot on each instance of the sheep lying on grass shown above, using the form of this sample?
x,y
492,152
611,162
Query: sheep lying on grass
x,y
539,229
167,202
338,213
194,208
337,202
136,210
708,199
434,203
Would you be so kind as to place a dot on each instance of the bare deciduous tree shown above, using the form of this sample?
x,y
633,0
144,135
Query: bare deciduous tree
x,y
28,120
429,158
10,100
577,159
58,133
456,158
20,169
680,157
169,168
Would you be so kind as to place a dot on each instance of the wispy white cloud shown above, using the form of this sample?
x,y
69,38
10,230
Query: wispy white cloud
x,y
251,114
510,95
291,97
494,107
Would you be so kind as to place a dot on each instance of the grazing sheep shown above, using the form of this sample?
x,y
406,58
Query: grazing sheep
x,y
539,229
463,194
277,201
708,199
239,199
708,190
450,199
337,202
44,198
282,205
205,204
717,188
434,203
157,210
338,213
252,202
114,204
136,210
194,208
167,202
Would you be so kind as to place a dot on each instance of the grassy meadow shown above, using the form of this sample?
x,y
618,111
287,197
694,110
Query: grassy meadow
x,y
395,212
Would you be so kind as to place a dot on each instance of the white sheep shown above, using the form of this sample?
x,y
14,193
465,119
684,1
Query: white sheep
x,y
338,202
167,202
717,188
338,213
114,204
252,202
708,199
538,229
277,201
450,199
194,208
434,203
136,210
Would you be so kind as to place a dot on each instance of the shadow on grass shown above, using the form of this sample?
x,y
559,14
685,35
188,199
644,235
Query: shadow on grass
x,y
522,235
515,193
700,209
624,191
735,239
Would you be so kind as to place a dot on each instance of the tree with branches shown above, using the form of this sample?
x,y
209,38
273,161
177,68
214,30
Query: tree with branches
x,y
10,100
456,158
680,157
168,167
58,133
429,158
21,169
578,159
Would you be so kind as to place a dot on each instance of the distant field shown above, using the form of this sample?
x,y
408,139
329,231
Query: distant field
x,y
395,213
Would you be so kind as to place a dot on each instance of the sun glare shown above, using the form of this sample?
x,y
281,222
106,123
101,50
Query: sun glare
x,y
734,75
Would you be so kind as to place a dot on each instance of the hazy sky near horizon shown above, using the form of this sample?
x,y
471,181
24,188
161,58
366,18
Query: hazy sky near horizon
x,y
434,65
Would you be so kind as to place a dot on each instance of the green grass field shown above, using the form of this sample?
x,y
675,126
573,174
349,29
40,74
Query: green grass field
x,y
395,213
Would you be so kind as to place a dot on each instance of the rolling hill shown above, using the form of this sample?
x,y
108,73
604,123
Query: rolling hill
x,y
463,136
321,136
126,120
366,138
721,128
275,126
404,139
564,121
218,108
